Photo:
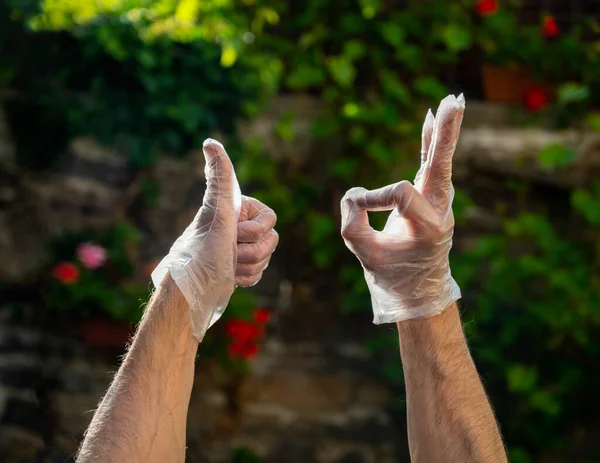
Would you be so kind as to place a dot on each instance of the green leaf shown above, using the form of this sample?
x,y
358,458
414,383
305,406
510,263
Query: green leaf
x,y
344,168
519,455
354,49
392,33
229,56
545,402
521,378
305,75
285,128
556,155
456,37
242,303
587,203
593,121
572,92
320,226
393,86
351,110
342,70
369,7
380,151
431,88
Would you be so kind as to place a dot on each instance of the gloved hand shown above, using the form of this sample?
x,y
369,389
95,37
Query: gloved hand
x,y
406,265
229,243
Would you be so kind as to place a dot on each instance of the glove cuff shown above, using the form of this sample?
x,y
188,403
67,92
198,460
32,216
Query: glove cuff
x,y
392,308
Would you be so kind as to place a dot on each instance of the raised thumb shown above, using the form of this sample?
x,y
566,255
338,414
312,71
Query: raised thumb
x,y
223,198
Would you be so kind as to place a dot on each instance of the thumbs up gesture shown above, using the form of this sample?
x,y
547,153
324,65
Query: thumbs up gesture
x,y
406,264
229,243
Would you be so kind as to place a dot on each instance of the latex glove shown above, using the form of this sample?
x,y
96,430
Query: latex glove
x,y
229,243
406,264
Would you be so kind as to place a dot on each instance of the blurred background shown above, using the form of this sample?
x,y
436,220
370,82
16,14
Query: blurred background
x,y
104,105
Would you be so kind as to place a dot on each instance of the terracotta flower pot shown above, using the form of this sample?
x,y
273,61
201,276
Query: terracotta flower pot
x,y
505,84
101,332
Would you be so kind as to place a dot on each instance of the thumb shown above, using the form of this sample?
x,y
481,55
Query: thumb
x,y
223,198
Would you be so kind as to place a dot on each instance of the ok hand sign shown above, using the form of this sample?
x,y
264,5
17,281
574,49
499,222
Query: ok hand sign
x,y
406,265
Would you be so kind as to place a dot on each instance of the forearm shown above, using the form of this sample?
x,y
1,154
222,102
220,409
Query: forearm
x,y
142,418
449,416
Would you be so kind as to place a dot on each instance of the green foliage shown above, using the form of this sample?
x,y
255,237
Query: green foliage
x,y
556,155
535,310
111,290
568,56
144,97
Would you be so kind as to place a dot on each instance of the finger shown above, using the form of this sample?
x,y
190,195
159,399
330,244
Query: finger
x,y
403,197
222,187
382,199
246,281
437,176
355,221
259,221
252,253
252,269
426,135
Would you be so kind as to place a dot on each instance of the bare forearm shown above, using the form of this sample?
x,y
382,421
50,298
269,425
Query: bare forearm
x,y
142,418
449,416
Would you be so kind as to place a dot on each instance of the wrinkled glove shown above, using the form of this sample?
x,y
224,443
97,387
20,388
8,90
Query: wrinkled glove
x,y
406,265
229,243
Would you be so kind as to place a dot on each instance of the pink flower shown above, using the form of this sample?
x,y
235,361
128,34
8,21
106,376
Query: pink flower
x,y
91,255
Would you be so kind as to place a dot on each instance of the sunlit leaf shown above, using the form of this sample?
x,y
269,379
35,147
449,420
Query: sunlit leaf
x,y
228,56
457,38
573,92
556,155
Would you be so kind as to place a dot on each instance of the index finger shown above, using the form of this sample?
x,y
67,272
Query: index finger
x,y
437,182
256,222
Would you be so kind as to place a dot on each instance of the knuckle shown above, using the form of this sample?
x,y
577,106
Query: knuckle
x,y
346,234
275,237
352,193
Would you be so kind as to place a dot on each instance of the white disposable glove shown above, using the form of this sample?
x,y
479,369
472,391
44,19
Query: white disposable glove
x,y
406,265
229,243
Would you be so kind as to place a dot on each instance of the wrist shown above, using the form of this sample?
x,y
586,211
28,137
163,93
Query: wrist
x,y
167,315
439,331
424,301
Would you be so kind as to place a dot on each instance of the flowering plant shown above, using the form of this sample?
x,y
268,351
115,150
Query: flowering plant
x,y
560,58
236,339
94,274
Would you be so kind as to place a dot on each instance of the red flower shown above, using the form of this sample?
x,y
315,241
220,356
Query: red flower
x,y
245,350
262,316
486,7
535,98
242,331
549,27
66,272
